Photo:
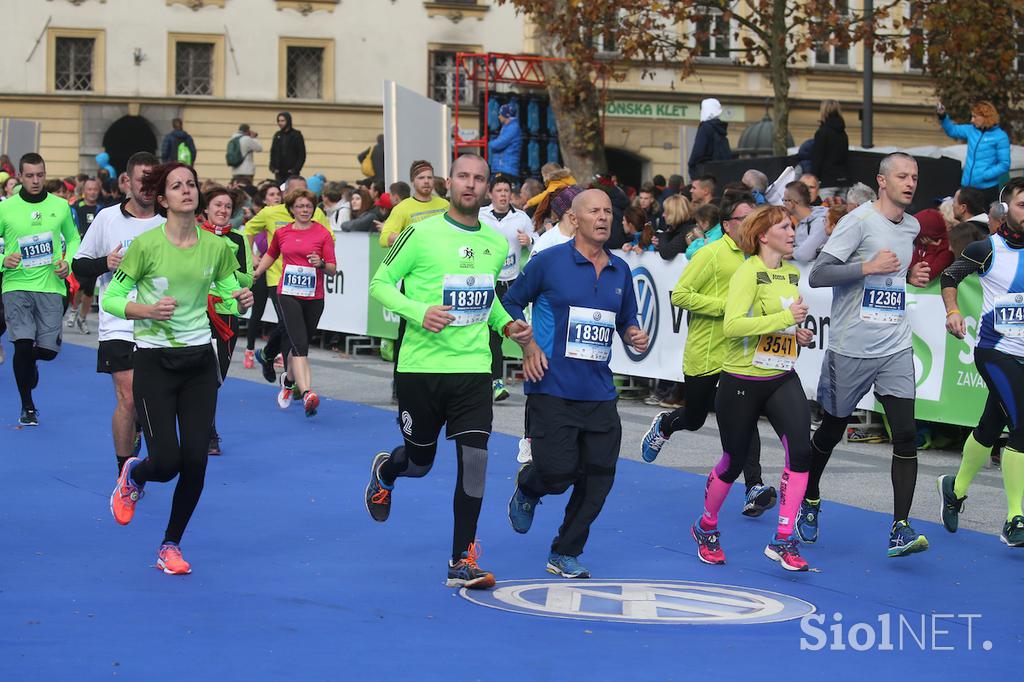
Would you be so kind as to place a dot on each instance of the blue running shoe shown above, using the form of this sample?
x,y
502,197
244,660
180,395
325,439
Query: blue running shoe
x,y
266,366
653,441
566,566
905,540
952,505
378,495
521,507
787,552
1013,532
807,521
466,573
760,498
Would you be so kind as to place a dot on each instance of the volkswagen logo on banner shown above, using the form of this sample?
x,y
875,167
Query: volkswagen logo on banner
x,y
648,310
658,602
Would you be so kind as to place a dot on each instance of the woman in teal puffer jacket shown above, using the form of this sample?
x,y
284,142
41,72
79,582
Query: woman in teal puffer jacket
x,y
987,164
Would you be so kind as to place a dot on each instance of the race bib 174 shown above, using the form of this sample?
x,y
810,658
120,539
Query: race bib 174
x,y
1009,315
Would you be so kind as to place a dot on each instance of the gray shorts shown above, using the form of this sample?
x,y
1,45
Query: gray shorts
x,y
844,380
36,316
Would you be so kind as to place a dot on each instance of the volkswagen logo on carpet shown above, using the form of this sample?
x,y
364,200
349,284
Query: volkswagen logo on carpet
x,y
659,602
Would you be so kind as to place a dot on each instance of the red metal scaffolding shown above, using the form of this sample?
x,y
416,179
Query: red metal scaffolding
x,y
489,69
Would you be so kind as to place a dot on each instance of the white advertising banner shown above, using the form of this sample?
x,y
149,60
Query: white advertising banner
x,y
345,294
654,278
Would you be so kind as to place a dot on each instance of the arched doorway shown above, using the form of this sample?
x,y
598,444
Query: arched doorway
x,y
127,135
626,165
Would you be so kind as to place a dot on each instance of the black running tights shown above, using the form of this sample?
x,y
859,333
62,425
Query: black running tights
x,y
900,413
176,392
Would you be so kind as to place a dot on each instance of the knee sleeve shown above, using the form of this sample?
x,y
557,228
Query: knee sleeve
x,y
419,459
828,435
474,469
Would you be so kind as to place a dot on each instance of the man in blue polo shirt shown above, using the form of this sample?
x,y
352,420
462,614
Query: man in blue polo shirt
x,y
570,405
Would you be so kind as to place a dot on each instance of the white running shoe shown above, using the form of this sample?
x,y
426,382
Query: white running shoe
x,y
525,453
284,396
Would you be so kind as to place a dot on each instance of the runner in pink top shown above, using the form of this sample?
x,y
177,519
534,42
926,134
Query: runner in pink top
x,y
306,250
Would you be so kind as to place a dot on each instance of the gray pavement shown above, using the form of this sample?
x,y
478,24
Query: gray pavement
x,y
858,474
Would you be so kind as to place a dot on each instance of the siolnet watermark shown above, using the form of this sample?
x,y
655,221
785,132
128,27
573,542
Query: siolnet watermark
x,y
892,632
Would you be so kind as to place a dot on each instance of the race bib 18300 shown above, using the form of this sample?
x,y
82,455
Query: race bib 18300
x,y
885,299
1009,315
589,334
36,249
298,280
470,297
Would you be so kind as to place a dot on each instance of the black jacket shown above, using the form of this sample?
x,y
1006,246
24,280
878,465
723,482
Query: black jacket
x,y
288,150
711,144
830,152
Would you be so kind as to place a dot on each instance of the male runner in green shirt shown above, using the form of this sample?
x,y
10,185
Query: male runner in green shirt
x,y
449,264
34,267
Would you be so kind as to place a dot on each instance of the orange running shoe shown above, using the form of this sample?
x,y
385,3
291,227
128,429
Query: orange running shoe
x,y
310,401
466,573
126,494
170,561
250,359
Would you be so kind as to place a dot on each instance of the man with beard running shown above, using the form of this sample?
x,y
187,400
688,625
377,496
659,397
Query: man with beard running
x,y
449,264
100,254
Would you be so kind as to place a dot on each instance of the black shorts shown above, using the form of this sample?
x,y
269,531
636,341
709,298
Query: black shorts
x,y
87,285
462,402
115,356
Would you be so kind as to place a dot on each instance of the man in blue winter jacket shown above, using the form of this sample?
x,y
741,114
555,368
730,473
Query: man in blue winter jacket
x,y
503,152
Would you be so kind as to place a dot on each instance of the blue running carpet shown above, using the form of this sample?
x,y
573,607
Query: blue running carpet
x,y
293,581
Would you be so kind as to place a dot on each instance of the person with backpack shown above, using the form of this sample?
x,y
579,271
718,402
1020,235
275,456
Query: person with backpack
x,y
371,160
239,156
178,145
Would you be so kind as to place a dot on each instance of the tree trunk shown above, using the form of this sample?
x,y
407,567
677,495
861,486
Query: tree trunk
x,y
780,77
577,108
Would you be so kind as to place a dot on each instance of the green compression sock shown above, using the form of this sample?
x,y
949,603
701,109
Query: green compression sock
x,y
1013,480
975,456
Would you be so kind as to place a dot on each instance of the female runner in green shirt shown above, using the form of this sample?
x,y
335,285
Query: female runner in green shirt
x,y
762,309
172,269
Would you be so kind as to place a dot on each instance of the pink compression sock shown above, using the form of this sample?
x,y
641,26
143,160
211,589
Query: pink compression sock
x,y
792,487
714,497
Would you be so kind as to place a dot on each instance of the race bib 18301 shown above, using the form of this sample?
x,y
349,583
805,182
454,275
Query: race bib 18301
x,y
36,249
1009,315
298,280
470,297
589,334
885,299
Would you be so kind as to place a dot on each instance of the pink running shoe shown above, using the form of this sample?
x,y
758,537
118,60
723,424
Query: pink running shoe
x,y
787,552
170,561
126,494
708,549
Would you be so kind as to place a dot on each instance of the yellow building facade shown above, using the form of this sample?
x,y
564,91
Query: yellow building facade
x,y
83,67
